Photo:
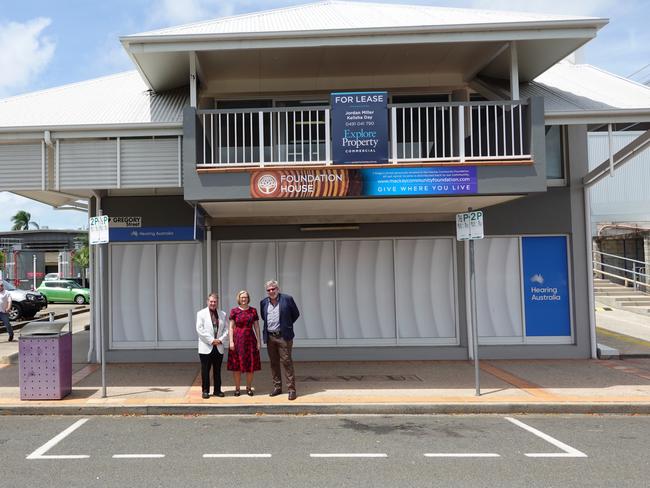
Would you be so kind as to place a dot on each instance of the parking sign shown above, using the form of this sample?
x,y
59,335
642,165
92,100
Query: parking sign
x,y
469,225
98,230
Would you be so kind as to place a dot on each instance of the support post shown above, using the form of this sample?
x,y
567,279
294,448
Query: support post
x,y
514,71
193,80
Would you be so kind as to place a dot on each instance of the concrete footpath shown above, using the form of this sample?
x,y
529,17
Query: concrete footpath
x,y
507,386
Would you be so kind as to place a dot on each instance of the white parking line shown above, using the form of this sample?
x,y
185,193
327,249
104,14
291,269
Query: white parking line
x,y
461,455
138,456
569,452
40,452
237,455
350,455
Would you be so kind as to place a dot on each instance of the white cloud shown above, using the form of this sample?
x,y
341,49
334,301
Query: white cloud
x,y
24,52
175,12
43,215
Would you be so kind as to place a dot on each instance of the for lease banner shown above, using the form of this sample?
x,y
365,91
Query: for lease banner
x,y
360,127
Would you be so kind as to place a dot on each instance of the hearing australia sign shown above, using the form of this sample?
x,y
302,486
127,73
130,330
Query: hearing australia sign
x,y
360,128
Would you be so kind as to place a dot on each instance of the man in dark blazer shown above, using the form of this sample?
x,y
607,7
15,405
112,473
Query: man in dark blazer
x,y
279,312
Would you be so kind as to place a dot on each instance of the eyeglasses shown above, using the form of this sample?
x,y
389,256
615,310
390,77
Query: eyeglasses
x,y
271,289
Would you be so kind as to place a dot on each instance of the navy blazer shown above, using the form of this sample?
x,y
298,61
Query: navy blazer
x,y
288,315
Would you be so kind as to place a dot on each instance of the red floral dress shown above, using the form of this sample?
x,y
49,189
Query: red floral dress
x,y
245,357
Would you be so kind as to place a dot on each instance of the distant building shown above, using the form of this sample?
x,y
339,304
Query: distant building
x,y
53,251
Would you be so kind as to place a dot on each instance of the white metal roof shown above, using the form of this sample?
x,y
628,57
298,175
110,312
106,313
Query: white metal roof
x,y
162,55
122,98
570,91
341,15
581,90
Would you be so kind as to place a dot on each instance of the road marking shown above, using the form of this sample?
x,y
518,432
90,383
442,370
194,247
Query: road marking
x,y
461,455
138,456
40,452
237,455
568,450
350,455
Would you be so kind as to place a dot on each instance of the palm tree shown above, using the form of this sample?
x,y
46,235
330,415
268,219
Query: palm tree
x,y
22,221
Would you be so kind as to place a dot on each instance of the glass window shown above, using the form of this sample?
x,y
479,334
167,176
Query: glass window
x,y
554,153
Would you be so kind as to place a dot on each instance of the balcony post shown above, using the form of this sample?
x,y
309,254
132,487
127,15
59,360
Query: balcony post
x,y
328,148
393,133
461,133
261,134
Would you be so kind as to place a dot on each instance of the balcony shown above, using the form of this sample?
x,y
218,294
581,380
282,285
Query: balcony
x,y
477,133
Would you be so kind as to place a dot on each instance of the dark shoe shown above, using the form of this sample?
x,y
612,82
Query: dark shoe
x,y
275,392
205,395
237,392
11,338
249,392
219,394
292,395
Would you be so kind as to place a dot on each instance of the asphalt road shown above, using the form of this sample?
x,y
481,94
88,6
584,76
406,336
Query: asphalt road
x,y
326,451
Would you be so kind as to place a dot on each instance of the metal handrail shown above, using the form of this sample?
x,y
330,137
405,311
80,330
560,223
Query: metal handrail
x,y
622,269
438,132
638,279
626,280
619,257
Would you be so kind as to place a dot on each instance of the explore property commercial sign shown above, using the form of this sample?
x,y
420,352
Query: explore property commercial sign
x,y
360,128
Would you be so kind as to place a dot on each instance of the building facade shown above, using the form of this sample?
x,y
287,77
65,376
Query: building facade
x,y
330,147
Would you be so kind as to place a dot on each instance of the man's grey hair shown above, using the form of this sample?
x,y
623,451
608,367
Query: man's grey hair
x,y
213,294
272,283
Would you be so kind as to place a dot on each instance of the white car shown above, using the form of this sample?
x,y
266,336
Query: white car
x,y
24,304
51,276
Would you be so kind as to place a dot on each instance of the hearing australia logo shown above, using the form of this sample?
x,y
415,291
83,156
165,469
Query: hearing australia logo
x,y
541,293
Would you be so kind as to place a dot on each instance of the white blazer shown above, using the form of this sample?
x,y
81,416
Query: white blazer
x,y
206,332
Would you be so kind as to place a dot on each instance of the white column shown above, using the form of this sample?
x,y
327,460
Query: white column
x,y
514,71
193,79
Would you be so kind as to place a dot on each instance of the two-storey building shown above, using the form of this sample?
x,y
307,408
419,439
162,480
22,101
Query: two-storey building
x,y
330,146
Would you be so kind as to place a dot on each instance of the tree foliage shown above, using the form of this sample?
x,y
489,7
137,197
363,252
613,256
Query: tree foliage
x,y
22,221
81,256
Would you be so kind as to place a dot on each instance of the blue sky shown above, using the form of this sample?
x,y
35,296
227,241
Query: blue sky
x,y
50,43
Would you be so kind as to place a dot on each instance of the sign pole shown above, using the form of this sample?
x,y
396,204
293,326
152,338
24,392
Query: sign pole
x,y
469,226
99,236
472,284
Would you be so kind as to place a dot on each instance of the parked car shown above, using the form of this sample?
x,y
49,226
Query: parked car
x,y
24,304
55,277
64,291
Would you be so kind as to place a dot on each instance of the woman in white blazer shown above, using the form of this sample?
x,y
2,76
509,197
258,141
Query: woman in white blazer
x,y
212,328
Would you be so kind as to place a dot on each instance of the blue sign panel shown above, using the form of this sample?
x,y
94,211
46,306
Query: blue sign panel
x,y
432,180
546,286
360,127
132,234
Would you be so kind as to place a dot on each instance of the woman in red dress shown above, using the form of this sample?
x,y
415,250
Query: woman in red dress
x,y
244,353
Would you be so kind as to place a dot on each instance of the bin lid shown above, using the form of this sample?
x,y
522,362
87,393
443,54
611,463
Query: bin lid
x,y
43,328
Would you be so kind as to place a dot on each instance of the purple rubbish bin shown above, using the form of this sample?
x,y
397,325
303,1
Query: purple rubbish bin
x,y
45,355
